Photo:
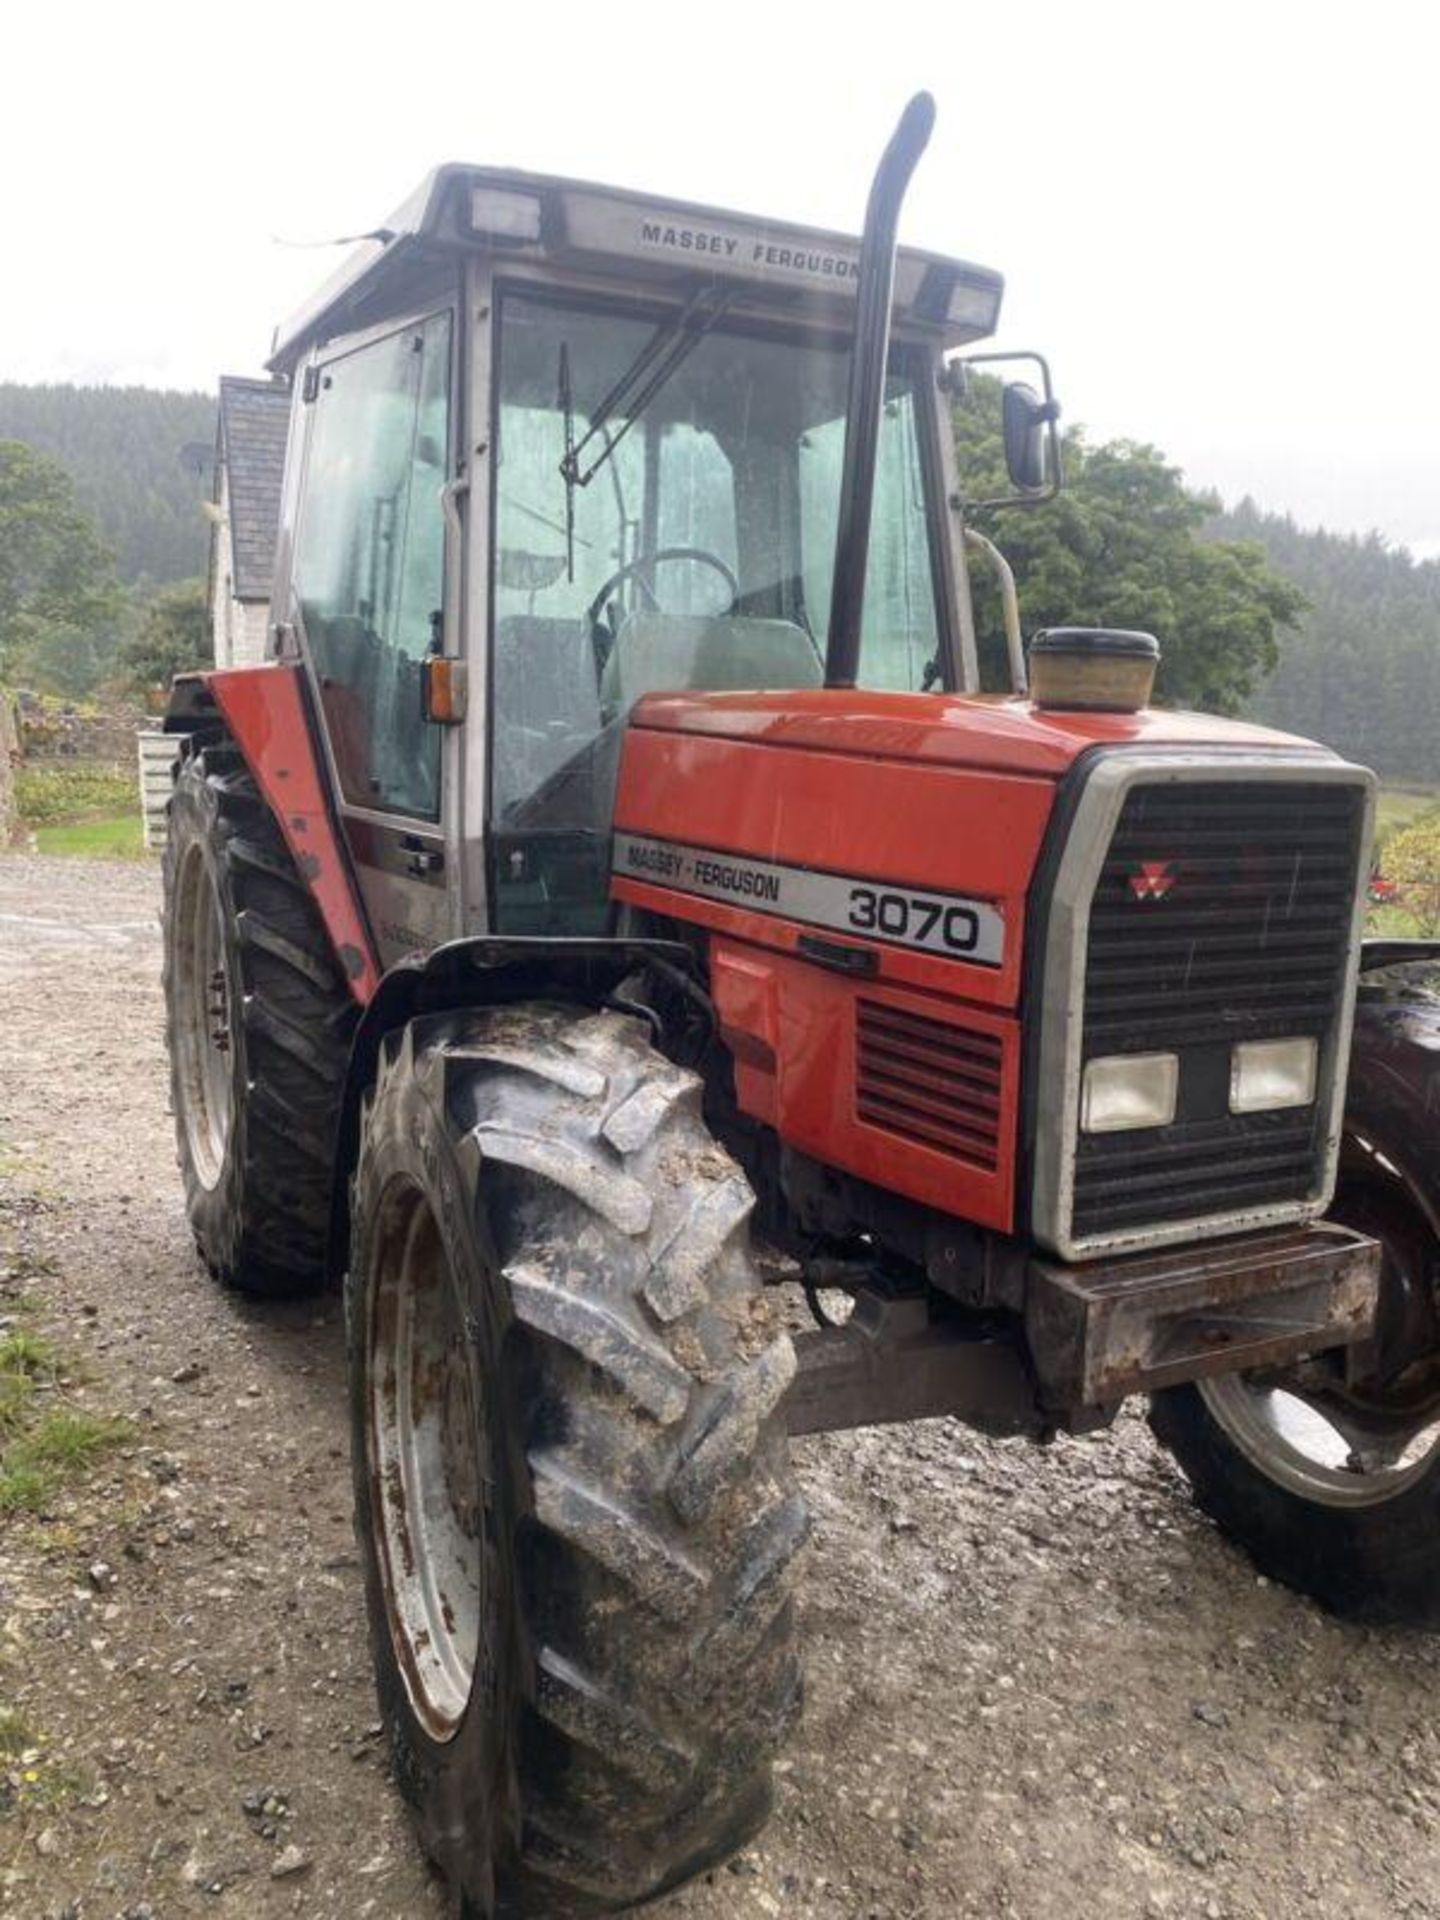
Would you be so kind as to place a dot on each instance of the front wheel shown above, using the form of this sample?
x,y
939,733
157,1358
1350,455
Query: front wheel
x,y
1329,1475
573,1493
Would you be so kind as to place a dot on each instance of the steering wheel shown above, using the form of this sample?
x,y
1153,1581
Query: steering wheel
x,y
641,564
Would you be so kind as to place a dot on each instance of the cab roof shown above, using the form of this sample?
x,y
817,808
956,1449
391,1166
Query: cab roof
x,y
664,244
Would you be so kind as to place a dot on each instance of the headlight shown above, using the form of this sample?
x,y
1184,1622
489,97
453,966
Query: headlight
x,y
1266,1074
1129,1090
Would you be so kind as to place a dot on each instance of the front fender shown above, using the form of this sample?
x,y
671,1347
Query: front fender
x,y
1393,1100
484,971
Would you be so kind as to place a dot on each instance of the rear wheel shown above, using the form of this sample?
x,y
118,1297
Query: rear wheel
x,y
573,1491
1329,1475
258,1021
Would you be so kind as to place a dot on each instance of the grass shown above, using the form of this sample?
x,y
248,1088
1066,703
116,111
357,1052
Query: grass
x,y
26,1361
44,1441
1395,923
84,807
119,838
51,1451
33,1779
17,1736
1398,807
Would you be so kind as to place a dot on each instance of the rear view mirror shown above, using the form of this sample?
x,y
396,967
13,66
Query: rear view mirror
x,y
1025,418
1029,425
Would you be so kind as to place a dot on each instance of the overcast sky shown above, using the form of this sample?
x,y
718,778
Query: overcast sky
x,y
1221,221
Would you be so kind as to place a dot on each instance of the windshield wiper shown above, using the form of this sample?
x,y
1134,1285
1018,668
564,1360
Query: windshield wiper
x,y
662,356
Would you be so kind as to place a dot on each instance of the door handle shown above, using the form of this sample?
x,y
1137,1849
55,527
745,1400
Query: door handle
x,y
422,860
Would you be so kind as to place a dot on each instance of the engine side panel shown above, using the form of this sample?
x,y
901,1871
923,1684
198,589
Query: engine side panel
x,y
917,1093
868,916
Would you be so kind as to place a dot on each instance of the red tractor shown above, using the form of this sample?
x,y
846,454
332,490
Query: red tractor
x,y
617,851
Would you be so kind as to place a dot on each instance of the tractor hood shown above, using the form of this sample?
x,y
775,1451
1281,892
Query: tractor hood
x,y
999,734
862,856
944,795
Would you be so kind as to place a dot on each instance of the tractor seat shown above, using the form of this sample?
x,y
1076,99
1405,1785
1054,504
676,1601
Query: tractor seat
x,y
678,652
547,668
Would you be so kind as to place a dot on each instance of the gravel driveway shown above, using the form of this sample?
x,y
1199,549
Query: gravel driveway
x,y
1039,1685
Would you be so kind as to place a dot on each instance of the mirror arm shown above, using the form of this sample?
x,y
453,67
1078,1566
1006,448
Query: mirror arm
x,y
1010,607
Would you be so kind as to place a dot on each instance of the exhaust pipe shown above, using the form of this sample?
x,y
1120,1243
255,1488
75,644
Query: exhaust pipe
x,y
873,295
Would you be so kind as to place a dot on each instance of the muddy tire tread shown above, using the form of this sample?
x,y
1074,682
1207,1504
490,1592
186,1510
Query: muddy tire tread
x,y
264,1230
660,1613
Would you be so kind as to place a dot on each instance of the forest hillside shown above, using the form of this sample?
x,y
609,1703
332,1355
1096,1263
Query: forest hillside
x,y
1362,670
140,461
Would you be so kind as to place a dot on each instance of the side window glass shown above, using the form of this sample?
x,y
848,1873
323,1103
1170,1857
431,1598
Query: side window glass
x,y
369,560
900,635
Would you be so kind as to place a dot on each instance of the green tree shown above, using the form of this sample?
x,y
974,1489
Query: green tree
x,y
59,602
173,637
1122,547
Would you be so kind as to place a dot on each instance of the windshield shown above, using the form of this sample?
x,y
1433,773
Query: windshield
x,y
692,543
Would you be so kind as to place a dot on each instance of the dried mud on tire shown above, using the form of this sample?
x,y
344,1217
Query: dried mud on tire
x,y
1038,1684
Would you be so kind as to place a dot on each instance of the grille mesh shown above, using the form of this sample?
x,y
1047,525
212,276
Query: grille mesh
x,y
929,1081
1222,914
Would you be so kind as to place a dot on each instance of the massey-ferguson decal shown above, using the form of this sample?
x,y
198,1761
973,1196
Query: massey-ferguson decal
x,y
942,923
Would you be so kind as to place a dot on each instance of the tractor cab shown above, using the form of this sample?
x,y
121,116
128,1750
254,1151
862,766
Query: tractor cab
x,y
614,427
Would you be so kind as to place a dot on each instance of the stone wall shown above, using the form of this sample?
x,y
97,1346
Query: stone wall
x,y
53,730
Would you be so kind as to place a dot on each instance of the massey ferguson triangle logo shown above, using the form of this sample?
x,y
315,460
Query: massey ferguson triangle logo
x,y
1152,880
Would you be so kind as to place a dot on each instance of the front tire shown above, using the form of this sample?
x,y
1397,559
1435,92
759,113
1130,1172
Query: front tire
x,y
1348,1513
574,1500
258,1022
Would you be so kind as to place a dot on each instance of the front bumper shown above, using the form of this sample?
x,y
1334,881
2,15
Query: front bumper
x,y
1108,1328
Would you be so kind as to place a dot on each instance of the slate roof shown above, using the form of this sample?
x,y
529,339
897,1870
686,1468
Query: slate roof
x,y
254,420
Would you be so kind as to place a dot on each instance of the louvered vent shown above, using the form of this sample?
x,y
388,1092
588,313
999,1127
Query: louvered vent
x,y
931,1082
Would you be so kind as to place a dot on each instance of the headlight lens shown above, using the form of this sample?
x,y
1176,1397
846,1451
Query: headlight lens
x,y
1267,1074
1127,1090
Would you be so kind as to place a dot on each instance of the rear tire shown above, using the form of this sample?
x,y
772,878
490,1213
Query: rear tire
x,y
1369,1549
258,1022
573,1493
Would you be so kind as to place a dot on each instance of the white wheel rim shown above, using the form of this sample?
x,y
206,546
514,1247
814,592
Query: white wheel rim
x,y
426,1471
1307,1446
205,1056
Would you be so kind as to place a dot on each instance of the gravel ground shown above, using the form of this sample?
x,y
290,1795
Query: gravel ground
x,y
1040,1685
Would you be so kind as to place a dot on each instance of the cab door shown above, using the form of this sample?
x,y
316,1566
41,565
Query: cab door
x,y
367,577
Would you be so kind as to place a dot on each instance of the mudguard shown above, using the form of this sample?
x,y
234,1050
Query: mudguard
x,y
484,971
266,712
1393,1101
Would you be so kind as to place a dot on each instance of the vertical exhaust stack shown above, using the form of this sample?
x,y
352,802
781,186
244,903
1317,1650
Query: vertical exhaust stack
x,y
867,387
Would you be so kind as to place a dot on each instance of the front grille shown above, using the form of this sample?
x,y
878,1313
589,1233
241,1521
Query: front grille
x,y
931,1082
1222,914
